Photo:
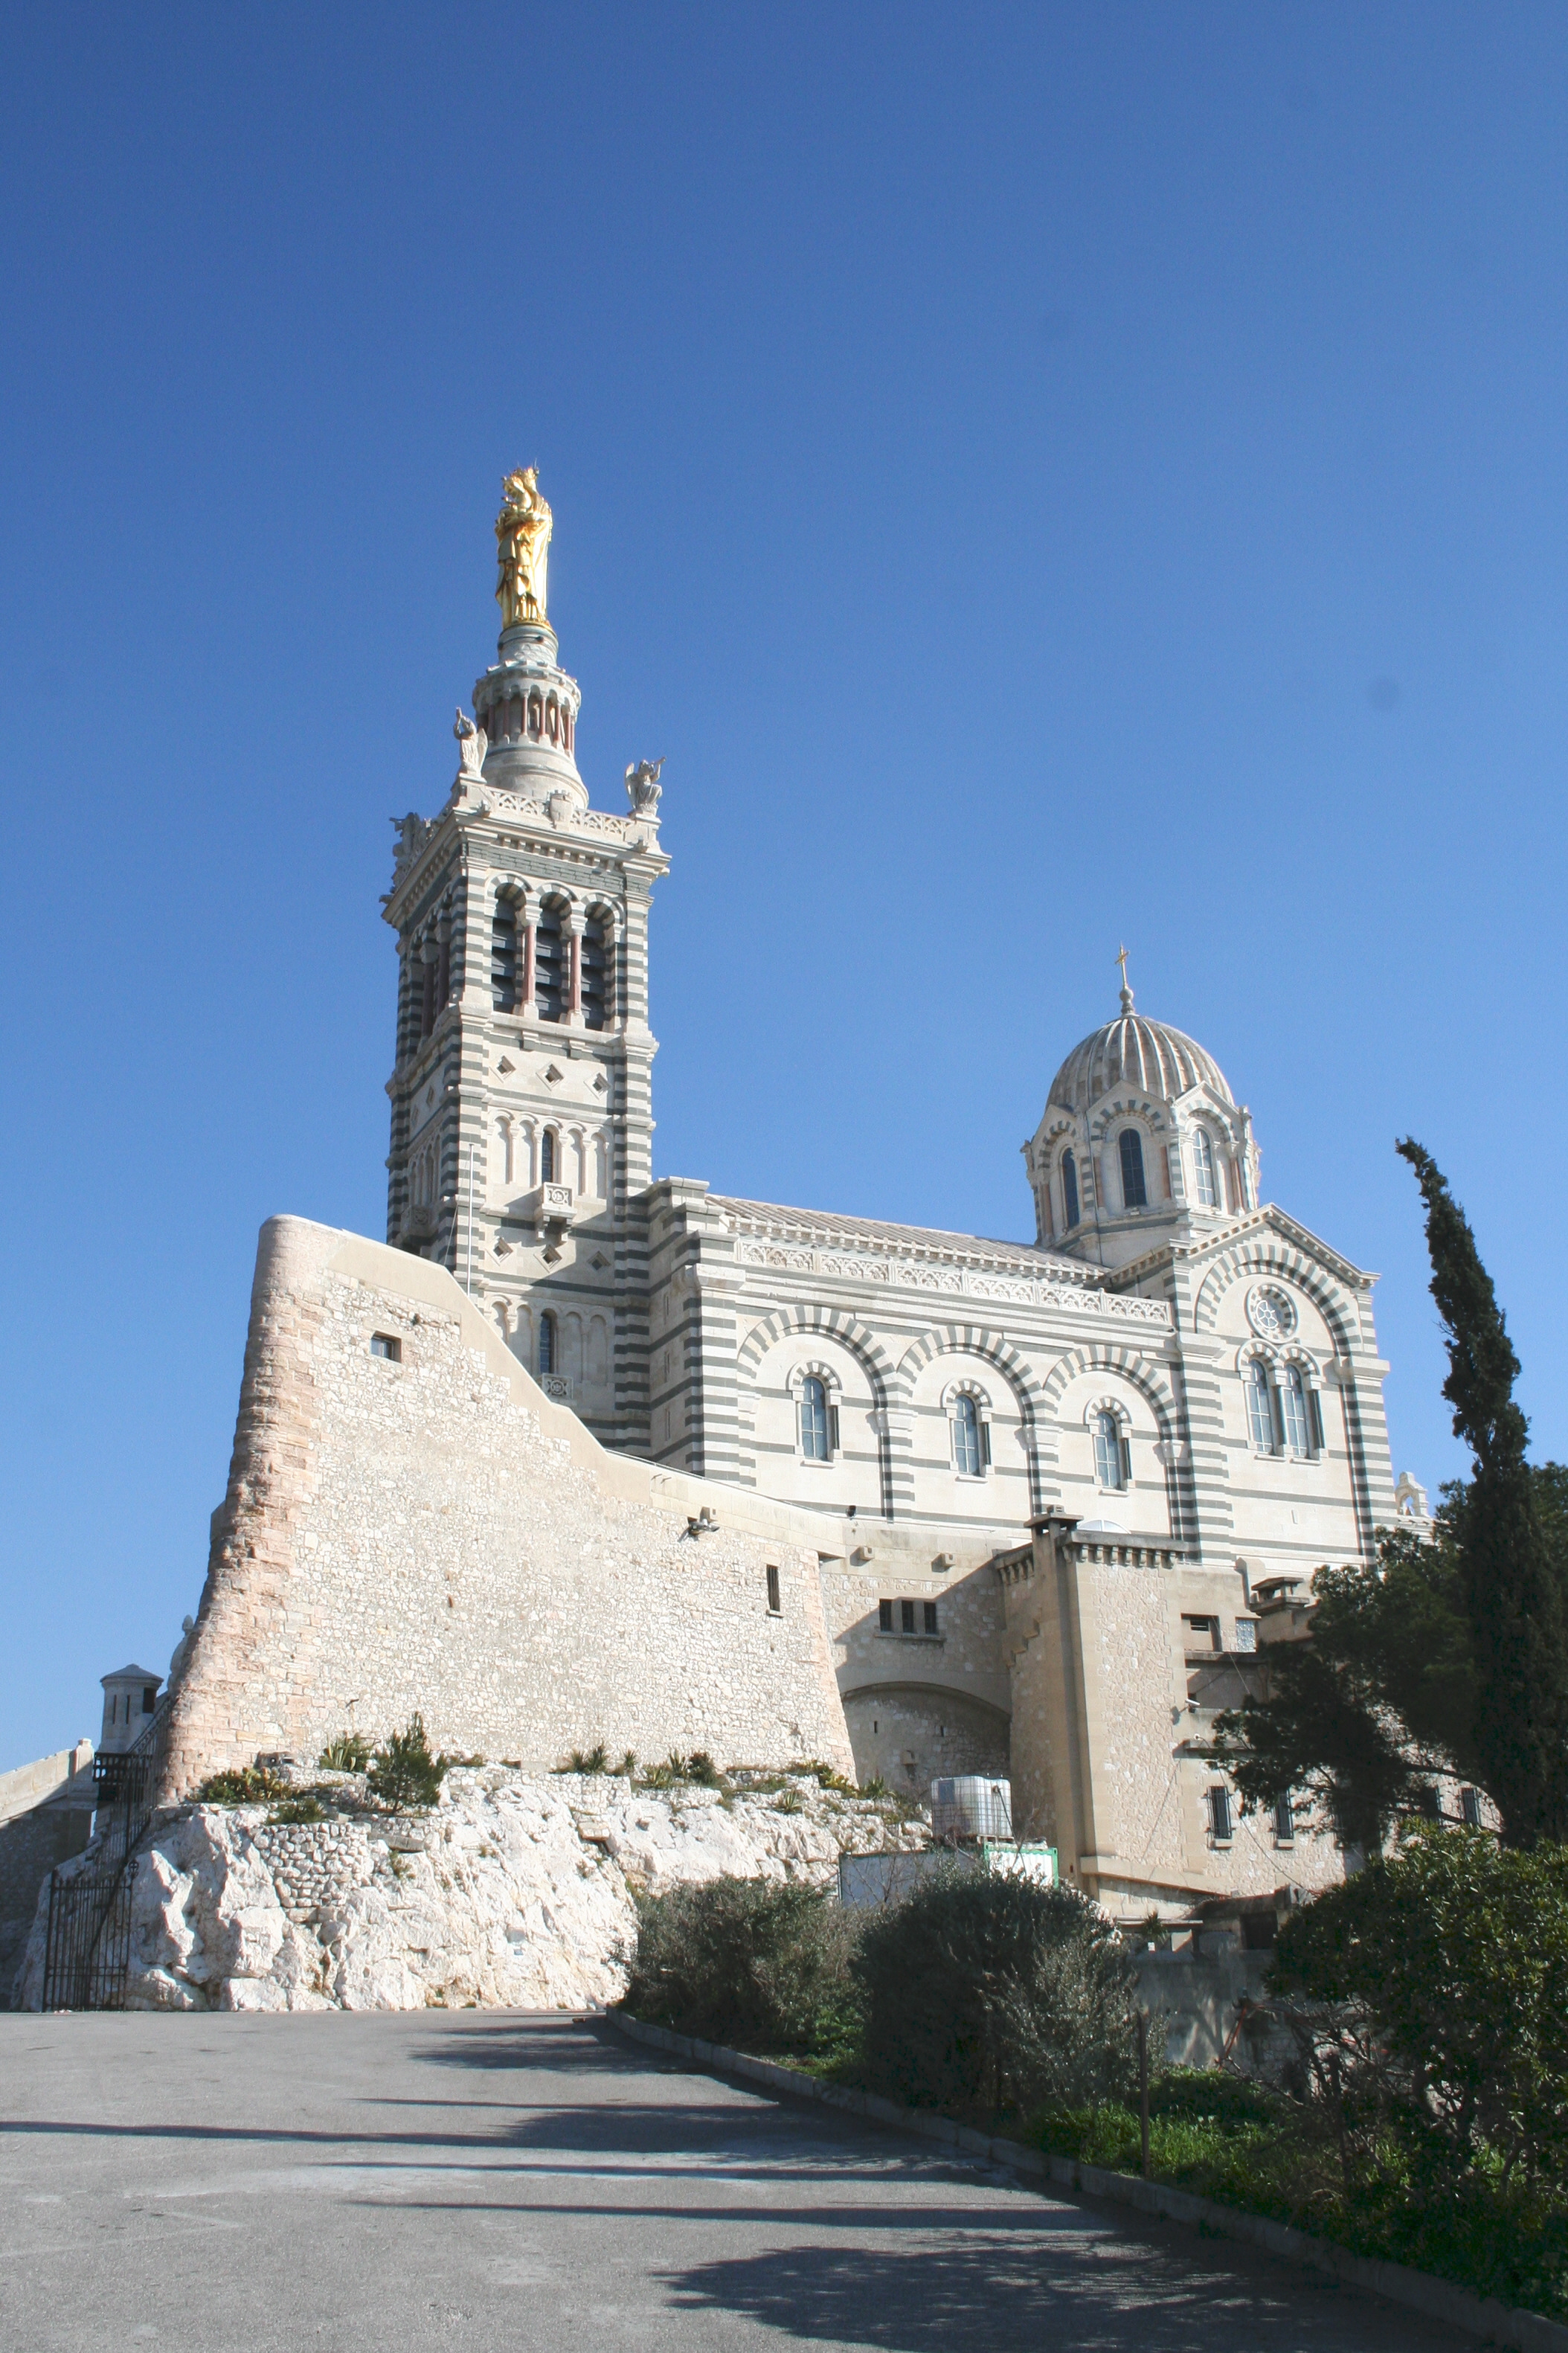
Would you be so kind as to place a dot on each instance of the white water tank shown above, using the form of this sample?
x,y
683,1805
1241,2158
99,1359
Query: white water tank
x,y
972,1806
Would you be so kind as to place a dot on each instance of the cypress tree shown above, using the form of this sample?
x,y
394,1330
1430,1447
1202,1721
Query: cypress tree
x,y
1513,1581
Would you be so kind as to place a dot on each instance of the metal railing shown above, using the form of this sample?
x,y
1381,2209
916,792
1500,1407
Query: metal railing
x,y
86,1955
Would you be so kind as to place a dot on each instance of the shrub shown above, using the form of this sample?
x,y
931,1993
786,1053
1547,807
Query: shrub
x,y
303,1806
985,1992
402,1772
589,1760
348,1753
699,1767
1433,2001
746,1961
241,1785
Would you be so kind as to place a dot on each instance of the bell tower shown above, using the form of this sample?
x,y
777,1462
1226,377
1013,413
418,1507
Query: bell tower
x,y
521,1093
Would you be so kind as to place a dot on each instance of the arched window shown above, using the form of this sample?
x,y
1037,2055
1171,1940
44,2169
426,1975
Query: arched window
x,y
1134,1192
547,1157
596,973
967,1459
814,1426
1260,1406
549,965
504,975
1069,1188
1297,1424
1110,1451
546,1344
1206,1185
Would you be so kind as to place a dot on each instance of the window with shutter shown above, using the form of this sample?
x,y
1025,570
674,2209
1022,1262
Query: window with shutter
x,y
503,958
549,965
1284,1821
1220,1821
595,971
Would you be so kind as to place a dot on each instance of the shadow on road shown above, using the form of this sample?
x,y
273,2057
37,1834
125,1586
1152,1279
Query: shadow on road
x,y
995,2292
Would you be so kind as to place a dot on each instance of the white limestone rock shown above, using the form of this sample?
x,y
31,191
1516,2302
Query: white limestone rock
x,y
512,1892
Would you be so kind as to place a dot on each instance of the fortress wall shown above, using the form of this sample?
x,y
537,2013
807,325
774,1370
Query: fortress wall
x,y
437,1534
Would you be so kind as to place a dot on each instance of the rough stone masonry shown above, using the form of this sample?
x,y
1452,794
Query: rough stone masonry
x,y
411,1525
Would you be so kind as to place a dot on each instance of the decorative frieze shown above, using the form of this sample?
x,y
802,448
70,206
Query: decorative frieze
x,y
923,1274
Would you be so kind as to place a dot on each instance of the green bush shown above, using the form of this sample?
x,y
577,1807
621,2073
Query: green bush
x,y
349,1752
303,1806
589,1760
241,1785
1430,2000
984,1993
403,1774
698,1769
745,1961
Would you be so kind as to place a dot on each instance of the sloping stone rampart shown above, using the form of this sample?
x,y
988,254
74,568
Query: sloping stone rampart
x,y
431,1534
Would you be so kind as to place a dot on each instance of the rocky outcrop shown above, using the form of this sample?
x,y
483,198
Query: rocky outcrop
x,y
513,1891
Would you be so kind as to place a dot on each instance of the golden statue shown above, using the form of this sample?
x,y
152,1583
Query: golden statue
x,y
523,542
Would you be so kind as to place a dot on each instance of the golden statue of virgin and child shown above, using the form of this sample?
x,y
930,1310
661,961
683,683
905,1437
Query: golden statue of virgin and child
x,y
522,544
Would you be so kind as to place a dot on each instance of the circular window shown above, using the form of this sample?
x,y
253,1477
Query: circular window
x,y
1270,1313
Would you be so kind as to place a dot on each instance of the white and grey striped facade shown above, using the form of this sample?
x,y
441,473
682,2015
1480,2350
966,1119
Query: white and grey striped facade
x,y
1180,1369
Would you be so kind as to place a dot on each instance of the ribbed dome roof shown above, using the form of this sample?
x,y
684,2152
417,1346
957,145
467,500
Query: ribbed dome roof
x,y
1133,1052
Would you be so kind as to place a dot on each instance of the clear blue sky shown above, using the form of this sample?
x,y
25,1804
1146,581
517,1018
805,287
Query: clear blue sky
x,y
1042,476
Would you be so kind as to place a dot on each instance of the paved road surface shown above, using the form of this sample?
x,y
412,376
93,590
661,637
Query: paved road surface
x,y
482,2181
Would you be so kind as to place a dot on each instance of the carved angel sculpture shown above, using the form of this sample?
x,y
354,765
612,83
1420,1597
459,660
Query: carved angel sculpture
x,y
472,745
643,785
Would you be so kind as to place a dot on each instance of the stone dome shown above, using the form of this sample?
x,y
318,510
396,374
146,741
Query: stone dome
x,y
1133,1052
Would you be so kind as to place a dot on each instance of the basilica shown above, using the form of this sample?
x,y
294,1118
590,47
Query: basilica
x,y
1171,1396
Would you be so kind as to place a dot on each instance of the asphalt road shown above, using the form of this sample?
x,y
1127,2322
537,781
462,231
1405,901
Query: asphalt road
x,y
496,2180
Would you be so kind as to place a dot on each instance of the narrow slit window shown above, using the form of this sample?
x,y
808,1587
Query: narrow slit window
x,y
547,1343
547,1157
966,1438
774,1604
1134,1192
1069,1188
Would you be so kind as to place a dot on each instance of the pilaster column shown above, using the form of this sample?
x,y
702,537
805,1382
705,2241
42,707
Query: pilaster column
x,y
572,926
527,924
443,959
